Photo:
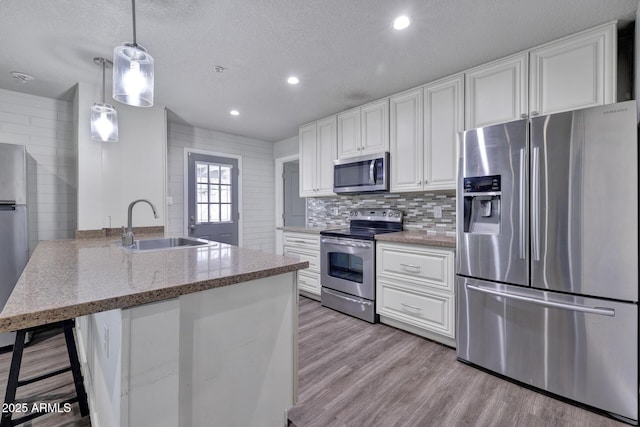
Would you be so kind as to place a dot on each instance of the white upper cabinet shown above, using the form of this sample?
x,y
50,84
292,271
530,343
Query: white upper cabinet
x,y
327,153
364,130
374,125
424,123
307,142
575,72
406,141
443,119
317,143
349,133
497,92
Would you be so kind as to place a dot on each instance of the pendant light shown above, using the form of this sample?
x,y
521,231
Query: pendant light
x,y
133,72
104,118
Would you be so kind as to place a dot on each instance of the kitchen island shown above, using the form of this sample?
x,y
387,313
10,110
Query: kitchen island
x,y
189,336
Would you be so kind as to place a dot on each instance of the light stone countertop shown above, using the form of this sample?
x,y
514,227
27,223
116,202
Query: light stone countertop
x,y
65,279
308,230
418,238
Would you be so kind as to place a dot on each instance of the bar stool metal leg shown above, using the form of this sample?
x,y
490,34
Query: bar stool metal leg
x,y
14,381
67,326
14,372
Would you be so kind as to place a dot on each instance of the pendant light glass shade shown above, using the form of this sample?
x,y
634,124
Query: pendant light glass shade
x,y
104,123
132,75
104,118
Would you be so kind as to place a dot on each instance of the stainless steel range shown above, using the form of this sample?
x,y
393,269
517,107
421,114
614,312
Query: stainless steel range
x,y
348,262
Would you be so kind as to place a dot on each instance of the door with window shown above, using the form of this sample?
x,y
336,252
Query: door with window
x,y
213,198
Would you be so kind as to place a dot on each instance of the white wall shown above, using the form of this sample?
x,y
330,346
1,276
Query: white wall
x,y
45,127
112,175
257,172
286,147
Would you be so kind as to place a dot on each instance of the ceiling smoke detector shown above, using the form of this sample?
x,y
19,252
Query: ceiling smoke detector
x,y
23,77
218,68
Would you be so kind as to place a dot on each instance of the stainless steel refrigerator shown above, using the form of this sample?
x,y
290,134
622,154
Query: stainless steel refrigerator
x,y
14,251
547,254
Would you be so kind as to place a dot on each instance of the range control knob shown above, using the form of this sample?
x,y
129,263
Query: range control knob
x,y
356,213
350,213
384,213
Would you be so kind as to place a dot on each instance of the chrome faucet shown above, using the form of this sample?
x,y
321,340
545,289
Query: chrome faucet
x,y
127,235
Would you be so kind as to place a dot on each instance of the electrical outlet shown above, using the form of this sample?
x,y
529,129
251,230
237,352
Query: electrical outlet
x,y
169,201
334,211
437,211
106,340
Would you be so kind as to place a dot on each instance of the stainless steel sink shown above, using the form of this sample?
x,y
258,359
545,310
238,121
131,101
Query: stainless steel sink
x,y
166,243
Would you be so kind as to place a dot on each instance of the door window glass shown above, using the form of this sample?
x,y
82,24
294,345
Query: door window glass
x,y
213,201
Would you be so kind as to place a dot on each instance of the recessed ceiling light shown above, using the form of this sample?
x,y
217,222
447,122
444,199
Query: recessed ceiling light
x,y
23,77
234,112
293,80
401,22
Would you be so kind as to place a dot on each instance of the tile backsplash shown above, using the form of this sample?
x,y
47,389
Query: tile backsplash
x,y
418,210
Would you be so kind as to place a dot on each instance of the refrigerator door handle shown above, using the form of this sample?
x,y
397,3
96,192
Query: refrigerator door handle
x,y
602,311
522,225
535,203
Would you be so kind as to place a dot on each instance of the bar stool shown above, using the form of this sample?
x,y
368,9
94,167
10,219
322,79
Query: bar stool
x,y
14,372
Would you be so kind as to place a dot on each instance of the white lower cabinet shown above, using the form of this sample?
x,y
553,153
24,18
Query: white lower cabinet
x,y
305,247
415,289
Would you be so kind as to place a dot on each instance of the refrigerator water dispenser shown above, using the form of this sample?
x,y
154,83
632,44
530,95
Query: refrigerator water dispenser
x,y
482,204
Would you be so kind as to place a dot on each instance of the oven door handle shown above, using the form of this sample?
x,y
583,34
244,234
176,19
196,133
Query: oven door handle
x,y
346,298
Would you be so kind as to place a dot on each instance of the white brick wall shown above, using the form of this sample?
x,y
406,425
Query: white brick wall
x,y
45,127
257,172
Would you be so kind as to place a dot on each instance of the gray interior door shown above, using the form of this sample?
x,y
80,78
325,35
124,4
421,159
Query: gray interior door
x,y
213,198
294,205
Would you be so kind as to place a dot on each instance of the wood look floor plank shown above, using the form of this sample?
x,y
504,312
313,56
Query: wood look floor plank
x,y
46,352
352,373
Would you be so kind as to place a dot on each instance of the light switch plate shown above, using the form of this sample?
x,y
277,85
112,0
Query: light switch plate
x,y
437,211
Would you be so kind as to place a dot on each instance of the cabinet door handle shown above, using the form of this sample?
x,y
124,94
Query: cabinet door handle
x,y
534,113
411,268
301,282
419,182
298,241
523,116
413,307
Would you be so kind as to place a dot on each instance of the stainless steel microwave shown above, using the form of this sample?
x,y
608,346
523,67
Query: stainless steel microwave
x,y
362,174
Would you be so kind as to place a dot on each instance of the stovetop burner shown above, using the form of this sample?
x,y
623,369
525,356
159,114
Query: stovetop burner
x,y
365,223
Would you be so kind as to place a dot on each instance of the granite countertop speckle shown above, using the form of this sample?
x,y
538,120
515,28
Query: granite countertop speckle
x,y
65,279
418,238
303,229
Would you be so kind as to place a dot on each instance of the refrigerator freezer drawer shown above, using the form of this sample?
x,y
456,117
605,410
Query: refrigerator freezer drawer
x,y
584,349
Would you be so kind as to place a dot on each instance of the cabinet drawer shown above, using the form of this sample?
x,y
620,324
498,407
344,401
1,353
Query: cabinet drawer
x,y
305,255
309,282
432,268
431,311
302,240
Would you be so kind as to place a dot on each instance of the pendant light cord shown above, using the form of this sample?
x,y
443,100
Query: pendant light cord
x,y
133,6
103,67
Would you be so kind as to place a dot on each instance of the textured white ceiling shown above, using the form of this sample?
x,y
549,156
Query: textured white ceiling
x,y
345,52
